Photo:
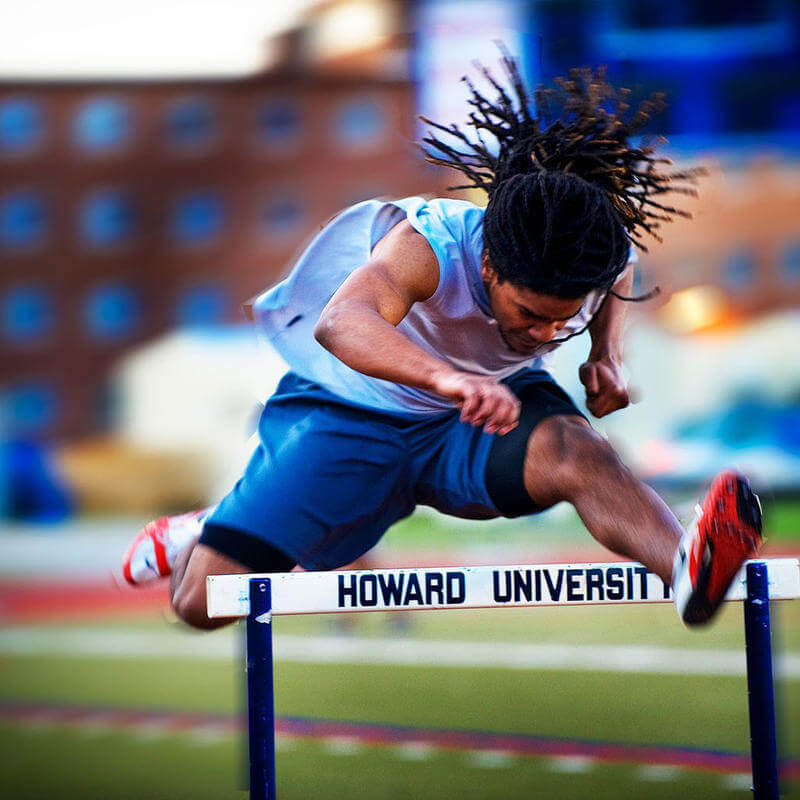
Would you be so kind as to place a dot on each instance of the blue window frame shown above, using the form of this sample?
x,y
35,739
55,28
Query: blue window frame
x,y
279,122
738,271
790,262
282,217
191,123
29,406
21,125
197,218
360,122
26,313
203,304
112,312
23,219
107,218
103,124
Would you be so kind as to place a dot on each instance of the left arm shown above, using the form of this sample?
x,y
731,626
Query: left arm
x,y
601,374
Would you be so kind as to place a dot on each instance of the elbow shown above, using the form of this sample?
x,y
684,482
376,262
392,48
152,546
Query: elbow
x,y
324,329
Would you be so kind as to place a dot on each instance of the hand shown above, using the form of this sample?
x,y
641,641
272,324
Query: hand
x,y
482,400
605,385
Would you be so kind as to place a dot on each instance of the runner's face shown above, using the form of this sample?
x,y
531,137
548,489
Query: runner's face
x,y
526,319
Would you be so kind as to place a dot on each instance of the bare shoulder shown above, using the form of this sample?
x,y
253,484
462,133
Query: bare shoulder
x,y
406,259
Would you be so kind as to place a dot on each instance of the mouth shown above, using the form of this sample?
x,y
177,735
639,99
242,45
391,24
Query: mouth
x,y
521,343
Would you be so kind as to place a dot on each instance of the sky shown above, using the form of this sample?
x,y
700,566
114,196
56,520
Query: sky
x,y
140,38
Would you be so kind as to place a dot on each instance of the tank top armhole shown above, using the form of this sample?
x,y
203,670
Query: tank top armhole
x,y
442,260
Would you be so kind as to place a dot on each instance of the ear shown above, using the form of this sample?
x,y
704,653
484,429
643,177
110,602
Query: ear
x,y
488,272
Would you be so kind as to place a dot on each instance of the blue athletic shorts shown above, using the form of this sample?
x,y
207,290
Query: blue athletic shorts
x,y
328,478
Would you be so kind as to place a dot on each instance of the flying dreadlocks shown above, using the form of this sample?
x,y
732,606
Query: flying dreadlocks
x,y
568,193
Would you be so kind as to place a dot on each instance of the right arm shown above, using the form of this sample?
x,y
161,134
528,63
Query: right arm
x,y
359,327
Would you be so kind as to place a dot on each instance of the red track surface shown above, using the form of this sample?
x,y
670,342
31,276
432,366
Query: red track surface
x,y
40,599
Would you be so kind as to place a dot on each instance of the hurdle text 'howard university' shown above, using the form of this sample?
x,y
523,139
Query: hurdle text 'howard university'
x,y
466,587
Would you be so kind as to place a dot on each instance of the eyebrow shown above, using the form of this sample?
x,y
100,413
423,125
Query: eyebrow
x,y
546,318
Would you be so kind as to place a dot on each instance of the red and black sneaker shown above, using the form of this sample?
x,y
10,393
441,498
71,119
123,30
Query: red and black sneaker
x,y
725,533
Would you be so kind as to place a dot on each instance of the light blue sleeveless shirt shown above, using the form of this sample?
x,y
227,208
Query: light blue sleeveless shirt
x,y
454,324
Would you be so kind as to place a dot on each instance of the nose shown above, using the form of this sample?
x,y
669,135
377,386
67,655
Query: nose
x,y
545,332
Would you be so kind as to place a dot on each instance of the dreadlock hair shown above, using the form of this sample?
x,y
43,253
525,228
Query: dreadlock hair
x,y
568,193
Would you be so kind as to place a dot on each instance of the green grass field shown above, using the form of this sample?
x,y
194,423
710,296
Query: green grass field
x,y
39,760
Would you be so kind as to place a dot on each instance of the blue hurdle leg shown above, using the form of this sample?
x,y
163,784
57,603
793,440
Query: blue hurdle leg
x,y
760,690
260,701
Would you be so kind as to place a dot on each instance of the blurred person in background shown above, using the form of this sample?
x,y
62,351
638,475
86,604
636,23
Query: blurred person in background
x,y
418,333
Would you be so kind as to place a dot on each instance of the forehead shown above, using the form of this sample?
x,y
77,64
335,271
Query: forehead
x,y
544,305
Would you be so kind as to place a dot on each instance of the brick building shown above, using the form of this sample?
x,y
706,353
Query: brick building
x,y
127,209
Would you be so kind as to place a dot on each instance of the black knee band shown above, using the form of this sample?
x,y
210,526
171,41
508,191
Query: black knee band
x,y
256,554
505,467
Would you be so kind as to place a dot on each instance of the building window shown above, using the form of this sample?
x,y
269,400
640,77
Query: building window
x,y
282,217
21,125
790,262
738,271
279,124
103,124
29,407
26,313
23,219
112,312
107,218
197,218
205,304
191,123
360,123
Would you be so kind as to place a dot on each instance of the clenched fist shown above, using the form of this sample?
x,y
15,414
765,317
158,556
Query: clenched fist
x,y
482,400
606,390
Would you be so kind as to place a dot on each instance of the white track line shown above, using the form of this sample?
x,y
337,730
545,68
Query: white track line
x,y
571,764
342,745
415,751
737,781
489,759
657,773
396,651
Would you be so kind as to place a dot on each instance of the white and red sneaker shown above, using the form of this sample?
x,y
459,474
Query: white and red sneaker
x,y
153,552
725,533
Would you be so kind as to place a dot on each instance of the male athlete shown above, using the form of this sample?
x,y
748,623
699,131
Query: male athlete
x,y
418,334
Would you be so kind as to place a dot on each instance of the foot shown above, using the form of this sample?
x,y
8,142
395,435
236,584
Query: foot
x,y
153,552
725,533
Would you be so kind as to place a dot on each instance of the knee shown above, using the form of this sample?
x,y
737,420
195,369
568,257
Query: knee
x,y
189,603
573,454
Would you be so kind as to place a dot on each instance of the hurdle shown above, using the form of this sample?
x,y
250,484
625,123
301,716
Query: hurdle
x,y
260,597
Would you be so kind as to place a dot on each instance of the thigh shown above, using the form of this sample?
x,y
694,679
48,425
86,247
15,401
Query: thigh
x,y
468,473
323,485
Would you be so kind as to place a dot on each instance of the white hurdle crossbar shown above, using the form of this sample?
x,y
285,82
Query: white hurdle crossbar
x,y
259,597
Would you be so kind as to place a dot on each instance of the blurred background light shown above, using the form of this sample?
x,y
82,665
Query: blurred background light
x,y
694,309
352,26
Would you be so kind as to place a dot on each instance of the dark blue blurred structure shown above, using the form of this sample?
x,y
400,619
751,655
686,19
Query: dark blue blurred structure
x,y
731,70
31,489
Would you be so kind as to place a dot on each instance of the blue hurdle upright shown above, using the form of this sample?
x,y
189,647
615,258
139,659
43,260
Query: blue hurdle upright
x,y
260,597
